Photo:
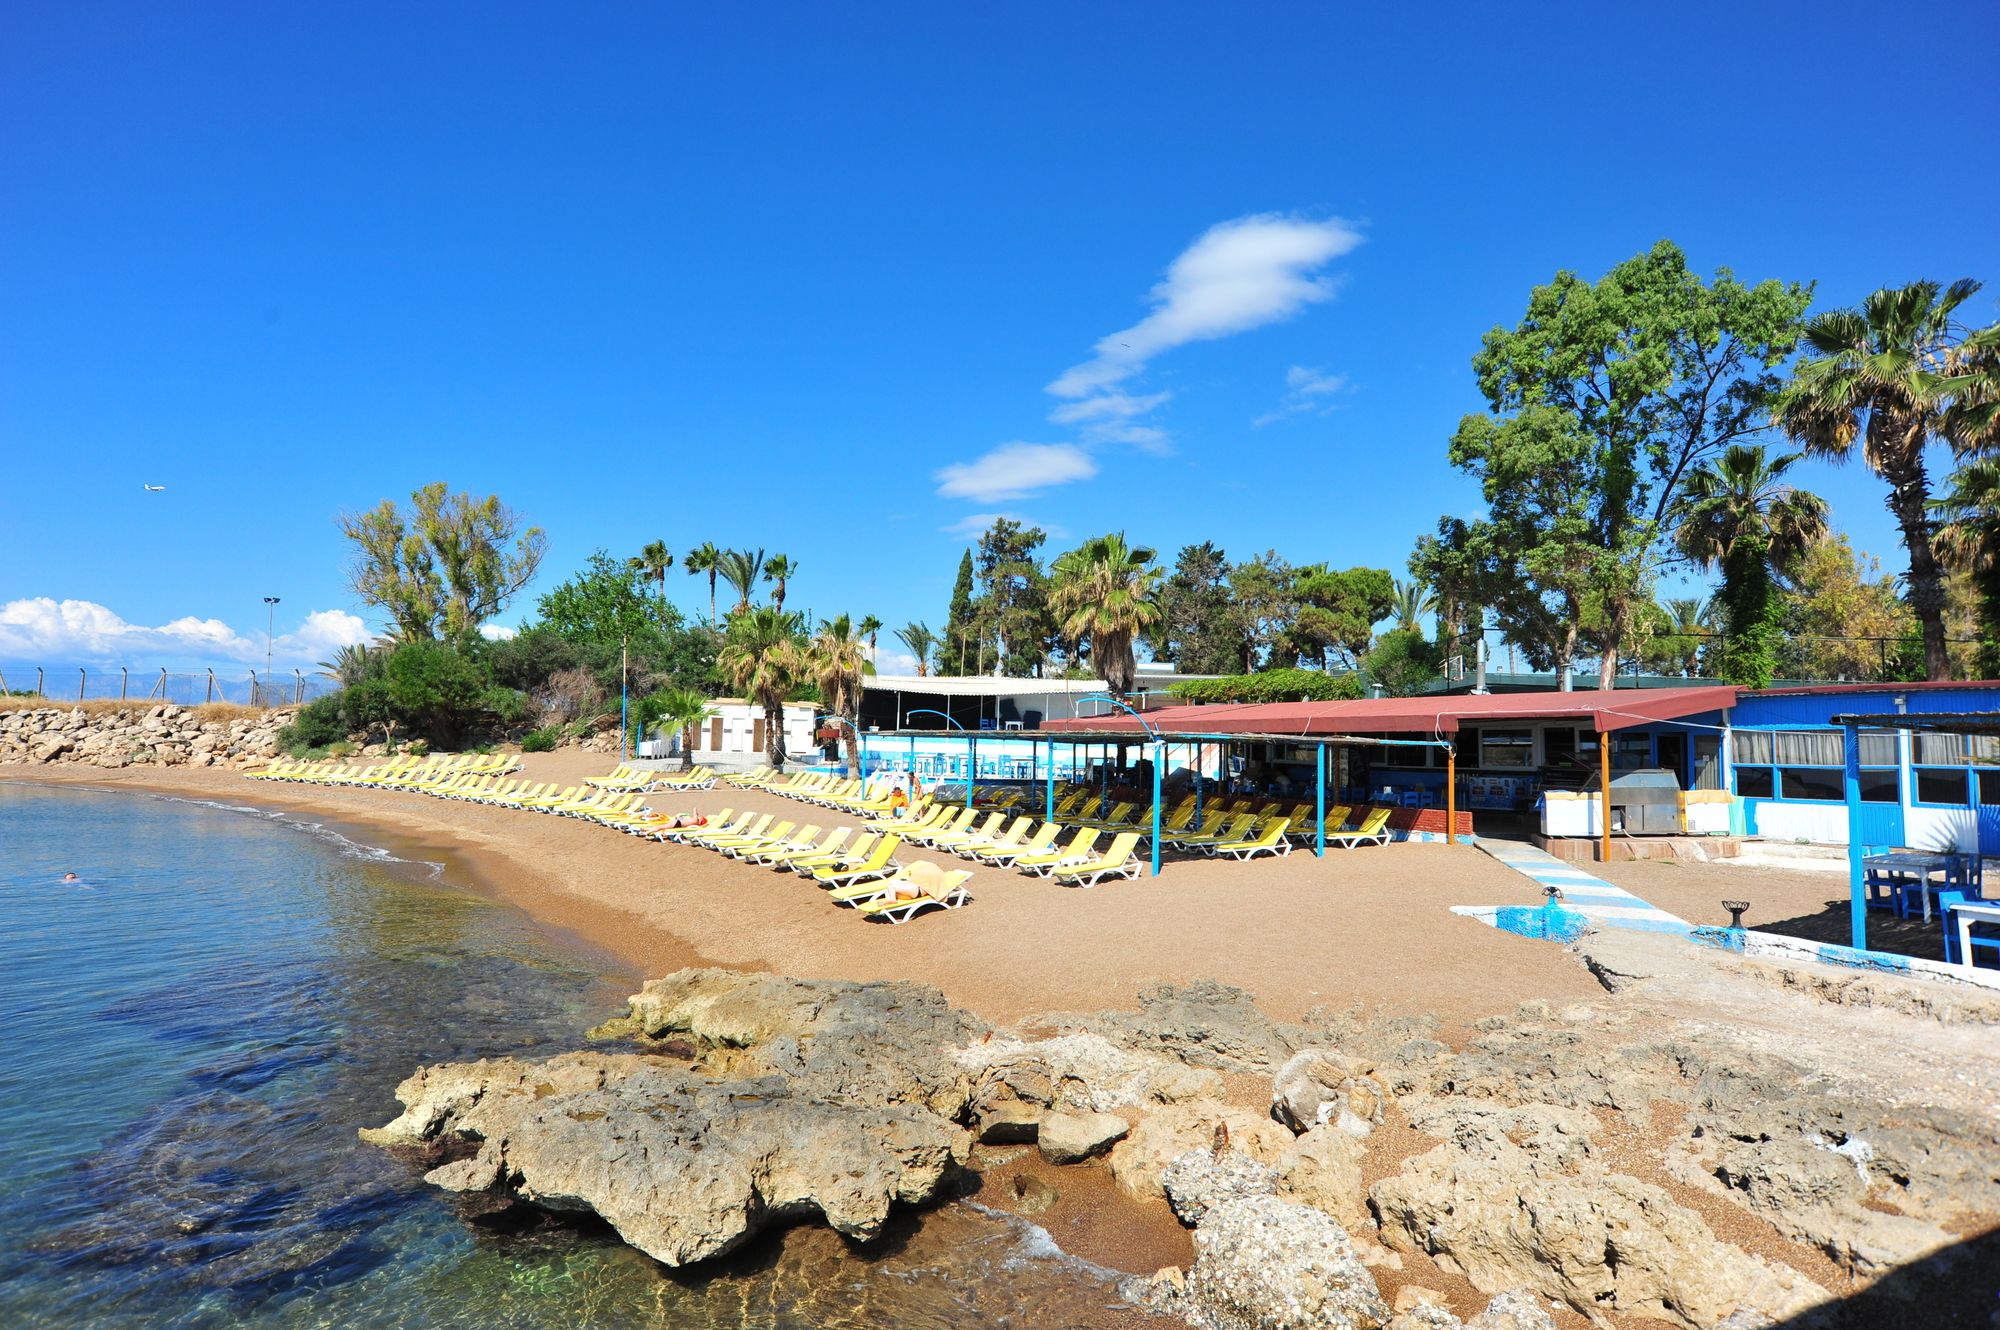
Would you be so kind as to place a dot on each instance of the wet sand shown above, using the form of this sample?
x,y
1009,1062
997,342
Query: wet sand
x,y
1366,927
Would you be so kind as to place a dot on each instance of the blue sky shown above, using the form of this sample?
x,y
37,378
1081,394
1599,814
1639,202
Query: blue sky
x,y
803,277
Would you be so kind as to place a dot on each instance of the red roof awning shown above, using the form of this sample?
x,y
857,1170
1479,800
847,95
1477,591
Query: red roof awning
x,y
1605,711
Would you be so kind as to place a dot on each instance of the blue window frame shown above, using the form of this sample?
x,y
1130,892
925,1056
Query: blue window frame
x,y
1946,787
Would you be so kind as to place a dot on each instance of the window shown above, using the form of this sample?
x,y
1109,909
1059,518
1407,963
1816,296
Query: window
x,y
1755,783
1881,787
1941,787
1559,746
1814,748
1753,747
1511,749
1630,752
1811,783
1956,749
1989,787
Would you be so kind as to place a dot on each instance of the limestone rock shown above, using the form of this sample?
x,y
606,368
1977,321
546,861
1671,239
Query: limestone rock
x,y
1262,1263
1515,1309
1319,1085
1138,1161
1508,1217
1071,1138
685,1169
1323,1168
1199,1180
1203,1024
1081,1073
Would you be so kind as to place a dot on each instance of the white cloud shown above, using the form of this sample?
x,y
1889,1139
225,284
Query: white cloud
x,y
1106,406
1238,275
497,632
894,662
40,630
1307,389
976,523
1014,470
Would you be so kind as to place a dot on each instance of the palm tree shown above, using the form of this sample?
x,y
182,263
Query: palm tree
x,y
654,562
1880,376
920,641
763,658
870,627
705,558
677,711
350,664
1685,633
839,660
741,568
1409,603
1741,515
780,569
1104,590
1970,539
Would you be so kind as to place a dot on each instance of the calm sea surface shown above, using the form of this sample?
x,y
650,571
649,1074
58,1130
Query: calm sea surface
x,y
189,1039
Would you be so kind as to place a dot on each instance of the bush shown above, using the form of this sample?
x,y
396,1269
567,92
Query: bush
x,y
1402,662
1289,685
507,707
319,723
434,690
341,749
540,741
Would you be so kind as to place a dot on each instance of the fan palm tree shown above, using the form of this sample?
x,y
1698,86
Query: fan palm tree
x,y
351,664
1970,539
678,711
1104,592
1409,603
705,558
1879,376
838,657
778,570
741,568
870,627
1685,631
1741,515
654,562
920,641
763,658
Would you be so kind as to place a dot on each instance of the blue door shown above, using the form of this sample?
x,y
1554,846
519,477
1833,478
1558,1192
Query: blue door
x,y
1882,824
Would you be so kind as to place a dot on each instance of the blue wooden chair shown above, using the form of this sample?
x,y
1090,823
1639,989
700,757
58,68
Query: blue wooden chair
x,y
1980,942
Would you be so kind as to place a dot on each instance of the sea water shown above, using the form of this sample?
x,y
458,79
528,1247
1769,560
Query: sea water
x,y
191,1034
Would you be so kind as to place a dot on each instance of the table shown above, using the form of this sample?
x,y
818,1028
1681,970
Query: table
x,y
1915,863
1964,915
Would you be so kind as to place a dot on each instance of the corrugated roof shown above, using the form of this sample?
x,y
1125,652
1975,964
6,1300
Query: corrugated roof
x,y
1615,710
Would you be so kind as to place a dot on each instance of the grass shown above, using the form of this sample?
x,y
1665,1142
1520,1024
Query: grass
x,y
102,706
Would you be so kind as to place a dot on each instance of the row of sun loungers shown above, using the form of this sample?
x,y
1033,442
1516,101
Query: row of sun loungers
x,y
860,872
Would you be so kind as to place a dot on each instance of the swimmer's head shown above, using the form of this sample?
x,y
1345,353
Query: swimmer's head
x,y
69,877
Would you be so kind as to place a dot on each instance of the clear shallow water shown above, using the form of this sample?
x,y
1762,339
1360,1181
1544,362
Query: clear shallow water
x,y
194,1033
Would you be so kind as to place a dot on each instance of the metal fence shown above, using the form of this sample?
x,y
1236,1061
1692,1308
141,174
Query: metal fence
x,y
77,683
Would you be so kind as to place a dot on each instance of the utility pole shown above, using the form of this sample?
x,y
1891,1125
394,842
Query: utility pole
x,y
624,729
270,627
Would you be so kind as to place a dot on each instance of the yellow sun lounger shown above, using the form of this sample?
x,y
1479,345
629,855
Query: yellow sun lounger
x,y
1043,840
879,863
1117,861
1270,839
828,847
1076,852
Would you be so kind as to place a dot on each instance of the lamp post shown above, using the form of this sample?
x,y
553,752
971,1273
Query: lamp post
x,y
270,627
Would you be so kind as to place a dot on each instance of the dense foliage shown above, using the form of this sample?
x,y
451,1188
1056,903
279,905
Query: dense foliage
x,y
1281,685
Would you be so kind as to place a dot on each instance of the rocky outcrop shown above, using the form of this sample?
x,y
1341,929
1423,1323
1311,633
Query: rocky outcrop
x,y
1317,1086
1071,1138
684,1168
1163,1135
1201,1024
1520,1201
1016,1082
139,735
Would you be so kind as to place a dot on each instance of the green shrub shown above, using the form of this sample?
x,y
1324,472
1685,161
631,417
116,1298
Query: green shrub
x,y
343,748
1288,685
508,707
436,691
542,740
319,723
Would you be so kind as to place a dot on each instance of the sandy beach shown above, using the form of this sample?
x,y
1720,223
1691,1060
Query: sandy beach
x,y
1368,926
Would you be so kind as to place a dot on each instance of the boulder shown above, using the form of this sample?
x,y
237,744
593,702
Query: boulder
x,y
1199,1180
1262,1263
1071,1138
1168,1132
1323,1169
1080,1073
685,1169
1201,1024
1319,1085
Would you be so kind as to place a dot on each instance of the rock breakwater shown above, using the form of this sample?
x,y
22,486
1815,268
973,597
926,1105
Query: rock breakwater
x,y
159,735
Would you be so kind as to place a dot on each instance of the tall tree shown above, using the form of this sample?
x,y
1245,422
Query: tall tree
x,y
1677,648
1660,371
1878,376
1444,563
870,627
962,646
741,569
764,657
705,558
655,561
678,711
779,570
920,641
1334,614
1104,590
1409,602
1196,629
445,565
838,660
1012,607
1261,606
1969,540
1742,516
1843,617
1540,553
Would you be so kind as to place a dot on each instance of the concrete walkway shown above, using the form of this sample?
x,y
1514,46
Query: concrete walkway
x,y
1597,900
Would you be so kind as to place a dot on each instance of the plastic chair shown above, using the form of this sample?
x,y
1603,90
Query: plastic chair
x,y
1411,799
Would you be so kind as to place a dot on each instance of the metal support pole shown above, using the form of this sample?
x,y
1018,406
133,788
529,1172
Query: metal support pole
x,y
211,687
82,677
1604,796
1857,853
1319,796
39,691
913,768
123,679
1049,792
1451,793
1159,761
971,770
624,732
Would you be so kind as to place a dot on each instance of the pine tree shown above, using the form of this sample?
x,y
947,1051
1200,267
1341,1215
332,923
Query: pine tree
x,y
960,650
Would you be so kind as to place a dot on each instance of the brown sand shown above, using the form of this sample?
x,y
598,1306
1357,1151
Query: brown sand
x,y
1367,926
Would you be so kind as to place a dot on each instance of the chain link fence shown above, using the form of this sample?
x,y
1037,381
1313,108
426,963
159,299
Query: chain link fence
x,y
253,688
